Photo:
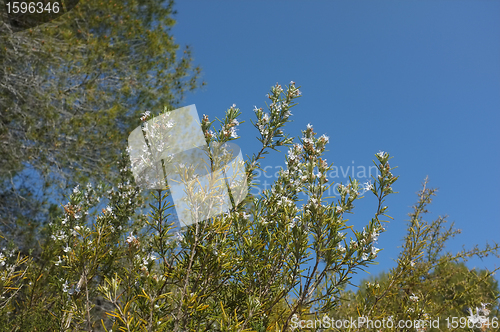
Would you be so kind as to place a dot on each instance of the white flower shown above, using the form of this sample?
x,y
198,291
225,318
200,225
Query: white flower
x,y
368,186
484,310
364,256
265,118
233,132
413,298
76,190
179,236
309,126
131,238
381,154
375,250
2,259
59,261
341,247
145,115
235,122
412,263
325,138
65,286
67,249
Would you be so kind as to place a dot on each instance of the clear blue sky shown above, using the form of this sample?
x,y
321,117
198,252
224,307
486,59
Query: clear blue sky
x,y
419,79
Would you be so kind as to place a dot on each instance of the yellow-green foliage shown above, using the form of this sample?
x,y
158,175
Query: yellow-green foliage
x,y
106,265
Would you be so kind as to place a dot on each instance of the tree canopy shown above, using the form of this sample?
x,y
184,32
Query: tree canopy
x,y
68,91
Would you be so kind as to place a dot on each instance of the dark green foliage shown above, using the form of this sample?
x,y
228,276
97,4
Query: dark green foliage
x,y
71,91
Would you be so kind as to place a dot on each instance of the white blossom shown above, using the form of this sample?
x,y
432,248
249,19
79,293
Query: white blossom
x,y
131,238
233,132
65,286
484,310
145,115
265,118
179,236
367,186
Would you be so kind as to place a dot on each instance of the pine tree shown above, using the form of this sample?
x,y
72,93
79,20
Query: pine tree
x,y
69,89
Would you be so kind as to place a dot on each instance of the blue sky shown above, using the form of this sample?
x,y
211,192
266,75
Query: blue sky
x,y
419,79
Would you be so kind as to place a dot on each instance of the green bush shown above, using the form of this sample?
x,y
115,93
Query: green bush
x,y
256,267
